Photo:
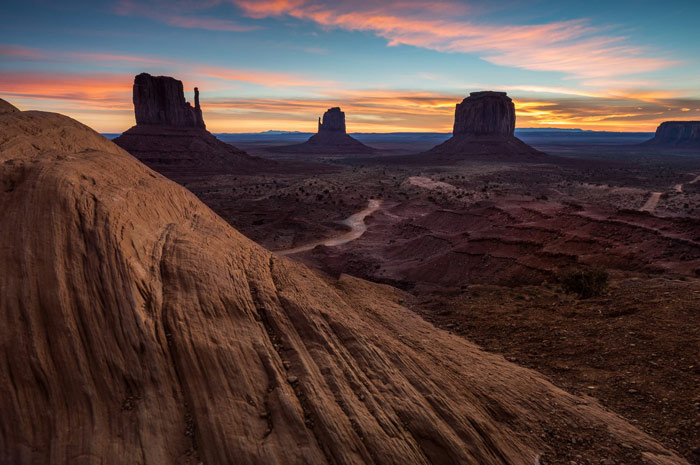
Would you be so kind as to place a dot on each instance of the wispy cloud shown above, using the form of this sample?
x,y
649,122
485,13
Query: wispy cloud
x,y
259,77
572,47
178,14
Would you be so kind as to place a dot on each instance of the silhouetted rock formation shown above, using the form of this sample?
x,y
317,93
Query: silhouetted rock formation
x,y
160,100
484,128
170,134
137,326
677,134
333,121
331,138
485,114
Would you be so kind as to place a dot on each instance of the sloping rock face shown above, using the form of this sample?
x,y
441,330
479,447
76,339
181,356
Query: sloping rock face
x,y
171,138
137,326
331,139
6,107
160,100
484,129
677,134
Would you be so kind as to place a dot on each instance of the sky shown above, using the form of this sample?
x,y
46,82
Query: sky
x,y
392,66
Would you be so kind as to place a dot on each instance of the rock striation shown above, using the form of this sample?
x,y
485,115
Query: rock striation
x,y
484,127
160,101
677,134
137,326
485,114
170,135
331,138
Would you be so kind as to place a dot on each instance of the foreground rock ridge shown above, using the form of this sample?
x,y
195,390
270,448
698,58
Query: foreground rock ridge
x,y
139,327
170,134
677,134
160,100
331,138
484,125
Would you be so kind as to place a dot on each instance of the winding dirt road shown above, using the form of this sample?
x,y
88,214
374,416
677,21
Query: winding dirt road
x,y
357,225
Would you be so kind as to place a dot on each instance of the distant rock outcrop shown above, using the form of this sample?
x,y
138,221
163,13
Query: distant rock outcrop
x,y
333,121
160,100
677,134
485,114
331,139
484,128
170,134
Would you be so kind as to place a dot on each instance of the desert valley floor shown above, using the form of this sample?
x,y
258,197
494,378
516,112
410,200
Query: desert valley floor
x,y
477,248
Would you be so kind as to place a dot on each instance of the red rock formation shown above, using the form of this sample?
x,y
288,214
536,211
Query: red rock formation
x,y
136,326
677,134
485,114
170,135
333,121
331,138
160,101
484,128
6,107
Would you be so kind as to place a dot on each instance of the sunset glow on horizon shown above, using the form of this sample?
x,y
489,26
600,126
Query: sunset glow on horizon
x,y
393,66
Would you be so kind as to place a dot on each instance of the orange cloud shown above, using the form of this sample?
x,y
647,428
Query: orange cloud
x,y
103,89
556,46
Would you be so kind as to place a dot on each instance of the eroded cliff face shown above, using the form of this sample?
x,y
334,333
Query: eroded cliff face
x,y
333,121
160,101
485,114
170,134
484,127
136,326
677,134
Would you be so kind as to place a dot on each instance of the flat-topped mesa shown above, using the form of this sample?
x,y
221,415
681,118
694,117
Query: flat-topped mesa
x,y
485,114
484,127
333,121
677,134
160,101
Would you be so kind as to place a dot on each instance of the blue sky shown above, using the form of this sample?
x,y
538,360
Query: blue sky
x,y
397,65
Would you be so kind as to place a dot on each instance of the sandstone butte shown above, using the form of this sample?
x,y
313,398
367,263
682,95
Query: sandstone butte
x,y
484,127
138,327
170,135
677,134
331,138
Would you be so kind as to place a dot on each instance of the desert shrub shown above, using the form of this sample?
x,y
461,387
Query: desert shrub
x,y
586,283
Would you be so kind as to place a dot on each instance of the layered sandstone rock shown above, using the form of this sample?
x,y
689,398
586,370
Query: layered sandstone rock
x,y
485,114
170,134
331,139
160,101
484,128
677,134
136,326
